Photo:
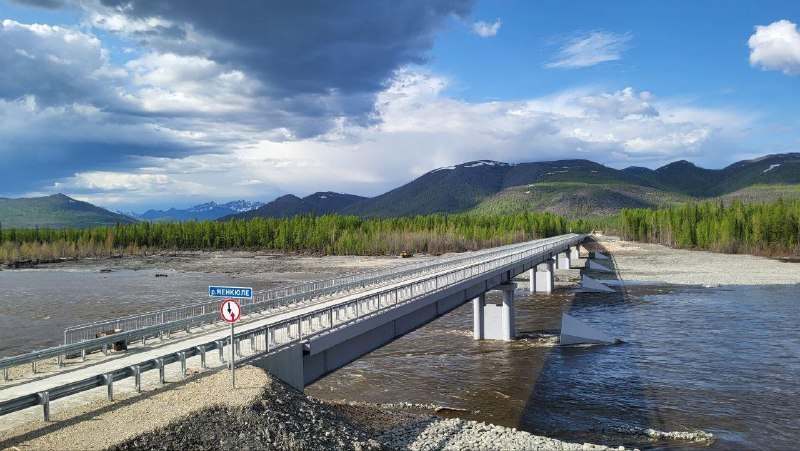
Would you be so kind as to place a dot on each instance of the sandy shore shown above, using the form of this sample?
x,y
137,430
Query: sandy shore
x,y
652,263
258,265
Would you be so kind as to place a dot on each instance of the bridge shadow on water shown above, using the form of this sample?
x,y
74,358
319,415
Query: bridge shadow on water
x,y
587,393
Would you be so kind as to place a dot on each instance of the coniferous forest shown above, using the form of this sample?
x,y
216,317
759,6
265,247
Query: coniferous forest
x,y
772,228
738,228
327,234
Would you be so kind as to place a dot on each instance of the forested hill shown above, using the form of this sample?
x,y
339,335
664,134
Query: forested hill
x,y
56,212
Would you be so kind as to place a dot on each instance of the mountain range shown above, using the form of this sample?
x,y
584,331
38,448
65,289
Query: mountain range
x,y
574,188
209,210
290,205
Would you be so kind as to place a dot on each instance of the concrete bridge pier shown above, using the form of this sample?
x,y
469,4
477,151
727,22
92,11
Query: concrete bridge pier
x,y
541,277
574,253
562,260
478,306
507,323
495,321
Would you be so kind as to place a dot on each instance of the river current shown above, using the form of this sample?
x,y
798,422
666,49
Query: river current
x,y
722,359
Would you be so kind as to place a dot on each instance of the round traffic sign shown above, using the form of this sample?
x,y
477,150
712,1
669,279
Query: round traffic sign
x,y
230,310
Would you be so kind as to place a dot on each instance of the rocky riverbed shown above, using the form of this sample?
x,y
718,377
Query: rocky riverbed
x,y
286,419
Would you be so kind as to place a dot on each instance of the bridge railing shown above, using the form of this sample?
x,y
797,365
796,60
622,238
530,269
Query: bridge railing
x,y
291,331
314,289
150,325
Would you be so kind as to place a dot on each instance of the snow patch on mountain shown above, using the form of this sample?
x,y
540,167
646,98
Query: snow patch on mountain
x,y
475,164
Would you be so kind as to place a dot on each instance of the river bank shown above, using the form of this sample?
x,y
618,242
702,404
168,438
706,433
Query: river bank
x,y
261,413
653,263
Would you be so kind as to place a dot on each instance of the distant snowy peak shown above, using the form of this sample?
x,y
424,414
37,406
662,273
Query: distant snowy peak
x,y
208,206
129,214
241,206
238,206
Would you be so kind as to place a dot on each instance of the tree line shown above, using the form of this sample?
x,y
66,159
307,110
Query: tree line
x,y
326,234
772,228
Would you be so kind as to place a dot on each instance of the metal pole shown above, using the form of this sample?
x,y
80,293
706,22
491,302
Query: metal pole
x,y
110,385
233,361
45,400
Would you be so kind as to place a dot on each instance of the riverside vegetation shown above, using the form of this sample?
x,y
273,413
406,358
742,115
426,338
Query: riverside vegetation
x,y
327,234
772,228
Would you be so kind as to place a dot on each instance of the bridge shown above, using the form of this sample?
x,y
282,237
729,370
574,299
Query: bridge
x,y
299,333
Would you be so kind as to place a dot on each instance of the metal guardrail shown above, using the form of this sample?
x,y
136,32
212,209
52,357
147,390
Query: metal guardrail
x,y
288,332
313,289
210,315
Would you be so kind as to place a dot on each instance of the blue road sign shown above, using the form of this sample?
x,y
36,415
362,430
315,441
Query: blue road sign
x,y
230,292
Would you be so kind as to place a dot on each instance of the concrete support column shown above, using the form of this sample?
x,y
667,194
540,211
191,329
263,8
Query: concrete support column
x,y
507,323
477,308
532,279
574,253
544,276
562,260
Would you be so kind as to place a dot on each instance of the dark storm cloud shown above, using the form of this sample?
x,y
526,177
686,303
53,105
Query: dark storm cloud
x,y
49,4
347,48
53,161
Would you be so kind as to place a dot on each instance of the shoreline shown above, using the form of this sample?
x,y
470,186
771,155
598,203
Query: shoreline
x,y
265,413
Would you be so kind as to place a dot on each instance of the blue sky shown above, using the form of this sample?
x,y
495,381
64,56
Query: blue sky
x,y
141,104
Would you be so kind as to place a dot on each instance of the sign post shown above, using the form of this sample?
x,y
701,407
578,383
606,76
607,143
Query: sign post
x,y
231,311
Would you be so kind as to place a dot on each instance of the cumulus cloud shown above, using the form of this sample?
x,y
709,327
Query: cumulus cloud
x,y
423,129
56,65
323,60
486,29
285,101
584,49
776,47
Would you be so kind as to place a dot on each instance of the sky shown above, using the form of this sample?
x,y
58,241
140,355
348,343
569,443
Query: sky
x,y
138,104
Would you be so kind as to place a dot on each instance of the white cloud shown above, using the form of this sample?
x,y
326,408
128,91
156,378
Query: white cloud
x,y
189,85
486,29
588,49
423,129
56,64
170,125
776,47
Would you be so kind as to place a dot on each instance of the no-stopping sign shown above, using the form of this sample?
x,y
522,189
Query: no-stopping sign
x,y
230,311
